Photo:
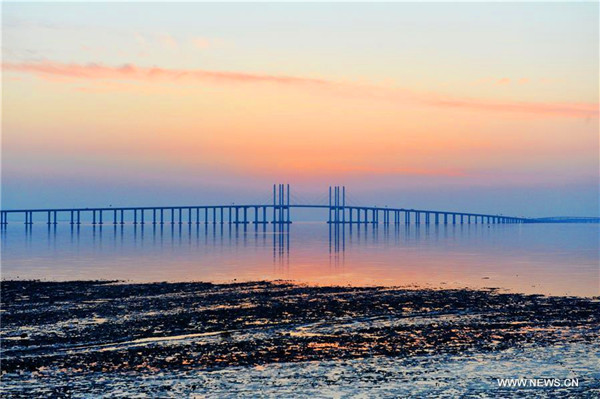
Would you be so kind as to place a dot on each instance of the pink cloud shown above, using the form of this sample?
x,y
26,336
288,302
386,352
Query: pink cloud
x,y
201,43
573,110
167,40
140,39
400,171
129,72
500,81
94,71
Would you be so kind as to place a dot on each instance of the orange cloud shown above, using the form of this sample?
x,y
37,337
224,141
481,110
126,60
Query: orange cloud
x,y
52,70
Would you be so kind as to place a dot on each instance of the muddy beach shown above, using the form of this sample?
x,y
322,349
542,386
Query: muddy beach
x,y
93,338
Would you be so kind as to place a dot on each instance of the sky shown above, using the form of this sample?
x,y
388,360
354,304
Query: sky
x,y
480,107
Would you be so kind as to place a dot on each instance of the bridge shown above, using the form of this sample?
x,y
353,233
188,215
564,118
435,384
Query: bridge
x,y
278,212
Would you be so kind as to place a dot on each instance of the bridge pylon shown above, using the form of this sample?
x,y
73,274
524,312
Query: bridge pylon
x,y
337,204
281,204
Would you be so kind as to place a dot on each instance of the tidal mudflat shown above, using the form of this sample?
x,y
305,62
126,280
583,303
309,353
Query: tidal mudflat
x,y
94,338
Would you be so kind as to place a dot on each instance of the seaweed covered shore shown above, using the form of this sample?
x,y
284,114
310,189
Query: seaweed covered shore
x,y
64,338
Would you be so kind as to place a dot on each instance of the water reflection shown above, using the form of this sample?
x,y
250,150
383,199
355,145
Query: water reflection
x,y
549,259
281,244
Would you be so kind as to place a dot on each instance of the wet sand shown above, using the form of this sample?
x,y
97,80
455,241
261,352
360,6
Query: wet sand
x,y
178,339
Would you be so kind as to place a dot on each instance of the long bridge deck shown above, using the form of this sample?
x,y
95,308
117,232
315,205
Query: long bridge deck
x,y
277,212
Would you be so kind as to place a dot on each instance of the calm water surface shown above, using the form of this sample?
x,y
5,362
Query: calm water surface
x,y
544,259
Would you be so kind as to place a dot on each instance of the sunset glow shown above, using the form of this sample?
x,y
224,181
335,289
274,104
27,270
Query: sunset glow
x,y
203,104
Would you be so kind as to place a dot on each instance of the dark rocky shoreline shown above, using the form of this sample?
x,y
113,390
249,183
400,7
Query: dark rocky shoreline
x,y
82,327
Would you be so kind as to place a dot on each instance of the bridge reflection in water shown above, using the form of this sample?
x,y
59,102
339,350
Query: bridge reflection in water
x,y
227,236
511,255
